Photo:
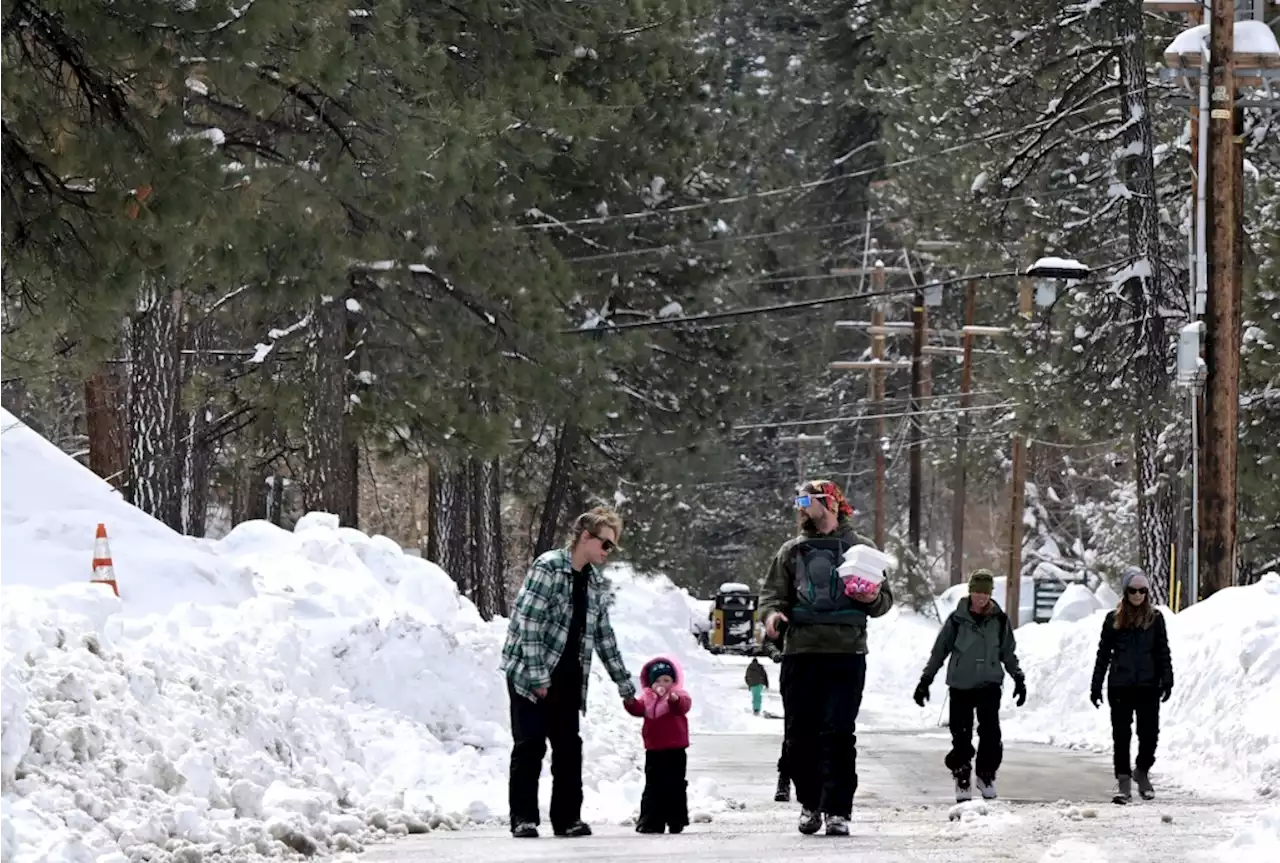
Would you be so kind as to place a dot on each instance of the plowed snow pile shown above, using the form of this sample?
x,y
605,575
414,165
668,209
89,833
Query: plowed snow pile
x,y
314,689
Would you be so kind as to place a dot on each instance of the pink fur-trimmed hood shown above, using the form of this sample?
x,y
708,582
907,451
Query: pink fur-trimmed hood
x,y
654,706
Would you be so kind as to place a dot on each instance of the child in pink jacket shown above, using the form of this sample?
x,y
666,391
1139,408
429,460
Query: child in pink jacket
x,y
665,707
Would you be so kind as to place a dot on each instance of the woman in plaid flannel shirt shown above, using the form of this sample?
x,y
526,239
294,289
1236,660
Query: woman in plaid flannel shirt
x,y
561,617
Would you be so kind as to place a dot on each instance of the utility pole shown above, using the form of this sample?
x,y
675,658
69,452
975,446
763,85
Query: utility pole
x,y
877,399
917,436
962,437
1013,583
1222,314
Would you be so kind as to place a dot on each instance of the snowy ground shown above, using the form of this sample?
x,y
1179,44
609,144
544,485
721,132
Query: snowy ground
x,y
1055,810
319,688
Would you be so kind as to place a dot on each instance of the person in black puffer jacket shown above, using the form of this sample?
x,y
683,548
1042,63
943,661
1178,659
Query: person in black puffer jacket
x,y
1133,654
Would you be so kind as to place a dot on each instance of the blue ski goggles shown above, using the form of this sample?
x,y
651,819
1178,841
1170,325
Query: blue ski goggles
x,y
804,501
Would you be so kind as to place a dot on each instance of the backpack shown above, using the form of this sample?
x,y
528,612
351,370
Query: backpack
x,y
819,589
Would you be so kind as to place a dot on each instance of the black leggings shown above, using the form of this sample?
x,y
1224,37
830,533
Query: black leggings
x,y
1125,703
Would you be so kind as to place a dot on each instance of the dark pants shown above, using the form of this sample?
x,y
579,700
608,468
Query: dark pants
x,y
821,697
533,724
784,772
1125,702
666,797
985,703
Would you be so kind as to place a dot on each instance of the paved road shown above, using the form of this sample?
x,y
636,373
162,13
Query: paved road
x,y
1056,809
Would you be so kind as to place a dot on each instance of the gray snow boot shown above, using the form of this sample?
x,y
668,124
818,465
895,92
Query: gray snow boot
x,y
1124,790
1145,788
963,791
988,787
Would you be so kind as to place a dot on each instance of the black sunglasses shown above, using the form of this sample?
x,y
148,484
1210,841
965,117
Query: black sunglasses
x,y
1138,590
606,544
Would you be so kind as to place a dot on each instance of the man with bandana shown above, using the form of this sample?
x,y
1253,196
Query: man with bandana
x,y
824,664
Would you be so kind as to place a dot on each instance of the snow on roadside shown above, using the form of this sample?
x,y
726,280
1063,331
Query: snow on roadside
x,y
1256,842
313,689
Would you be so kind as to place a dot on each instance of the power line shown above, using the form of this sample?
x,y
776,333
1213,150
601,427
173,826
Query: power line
x,y
742,238
895,216
781,307
810,184
803,304
856,418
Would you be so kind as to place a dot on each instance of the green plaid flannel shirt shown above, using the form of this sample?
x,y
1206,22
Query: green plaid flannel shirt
x,y
539,628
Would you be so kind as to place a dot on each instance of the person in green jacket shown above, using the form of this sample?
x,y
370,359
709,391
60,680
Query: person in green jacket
x,y
824,663
757,680
979,639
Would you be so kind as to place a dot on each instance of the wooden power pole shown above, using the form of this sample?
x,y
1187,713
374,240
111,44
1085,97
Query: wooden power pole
x,y
877,399
1013,584
1222,315
917,436
962,437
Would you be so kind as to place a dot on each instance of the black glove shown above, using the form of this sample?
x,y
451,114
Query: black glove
x,y
1020,691
1096,697
1166,692
921,694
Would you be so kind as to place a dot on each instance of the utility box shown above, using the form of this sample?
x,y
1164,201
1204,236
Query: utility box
x,y
1191,368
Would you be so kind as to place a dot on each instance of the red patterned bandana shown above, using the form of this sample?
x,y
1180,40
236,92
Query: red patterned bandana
x,y
831,490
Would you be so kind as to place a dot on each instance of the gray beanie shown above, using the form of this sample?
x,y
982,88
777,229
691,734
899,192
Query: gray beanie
x,y
1129,574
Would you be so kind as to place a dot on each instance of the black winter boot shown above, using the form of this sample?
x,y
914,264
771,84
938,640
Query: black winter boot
x,y
783,794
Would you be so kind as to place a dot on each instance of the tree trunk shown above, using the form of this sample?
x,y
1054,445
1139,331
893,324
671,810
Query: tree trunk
x,y
447,532
155,383
488,572
326,474
549,526
1150,295
106,403
498,563
195,446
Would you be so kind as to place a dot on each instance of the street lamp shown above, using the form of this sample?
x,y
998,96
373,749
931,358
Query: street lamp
x,y
1045,271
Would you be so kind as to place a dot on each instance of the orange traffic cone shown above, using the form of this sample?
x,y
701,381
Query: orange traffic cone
x,y
104,572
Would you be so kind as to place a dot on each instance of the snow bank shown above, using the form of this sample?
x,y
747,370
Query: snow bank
x,y
316,689
1256,842
1076,603
50,506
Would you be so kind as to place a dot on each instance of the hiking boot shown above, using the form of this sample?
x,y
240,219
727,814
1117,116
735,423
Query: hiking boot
x,y
574,830
1124,789
987,785
1145,788
837,825
810,821
525,830
783,794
